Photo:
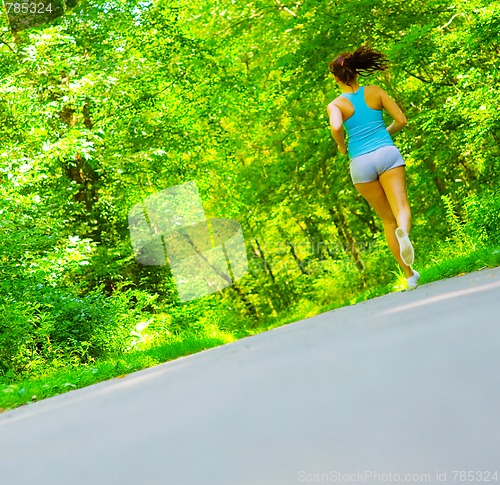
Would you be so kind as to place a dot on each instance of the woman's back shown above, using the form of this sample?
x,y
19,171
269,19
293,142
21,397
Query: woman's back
x,y
372,99
362,114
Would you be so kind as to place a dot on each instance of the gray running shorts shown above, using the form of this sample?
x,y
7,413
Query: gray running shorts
x,y
368,167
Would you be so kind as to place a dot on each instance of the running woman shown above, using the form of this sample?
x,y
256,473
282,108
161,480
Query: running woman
x,y
377,167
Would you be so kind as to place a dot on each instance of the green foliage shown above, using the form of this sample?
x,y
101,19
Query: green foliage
x,y
483,213
115,101
459,235
64,327
480,225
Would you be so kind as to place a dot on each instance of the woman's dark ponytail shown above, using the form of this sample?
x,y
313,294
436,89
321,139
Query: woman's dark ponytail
x,y
362,61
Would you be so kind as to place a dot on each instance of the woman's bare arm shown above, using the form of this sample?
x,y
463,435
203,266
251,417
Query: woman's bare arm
x,y
394,112
336,121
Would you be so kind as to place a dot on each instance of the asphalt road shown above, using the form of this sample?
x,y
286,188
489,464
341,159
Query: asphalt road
x,y
402,388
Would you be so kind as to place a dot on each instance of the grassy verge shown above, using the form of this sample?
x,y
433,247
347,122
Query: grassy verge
x,y
480,259
68,378
441,269
438,269
62,380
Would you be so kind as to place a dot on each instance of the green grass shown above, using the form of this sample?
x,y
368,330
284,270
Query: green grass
x,y
58,381
440,269
480,259
437,269
68,378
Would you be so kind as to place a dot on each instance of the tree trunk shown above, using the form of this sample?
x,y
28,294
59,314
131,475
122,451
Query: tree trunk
x,y
345,234
262,256
438,182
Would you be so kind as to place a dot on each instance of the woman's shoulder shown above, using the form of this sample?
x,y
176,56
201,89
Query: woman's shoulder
x,y
374,96
339,101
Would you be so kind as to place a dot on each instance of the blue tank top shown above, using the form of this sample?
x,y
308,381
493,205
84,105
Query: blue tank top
x,y
366,130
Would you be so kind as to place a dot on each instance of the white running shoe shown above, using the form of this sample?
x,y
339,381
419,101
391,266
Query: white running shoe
x,y
407,254
413,280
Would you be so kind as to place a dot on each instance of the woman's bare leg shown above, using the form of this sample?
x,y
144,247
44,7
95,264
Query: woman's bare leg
x,y
394,184
374,193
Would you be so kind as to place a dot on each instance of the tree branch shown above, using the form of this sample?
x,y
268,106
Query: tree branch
x,y
430,81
